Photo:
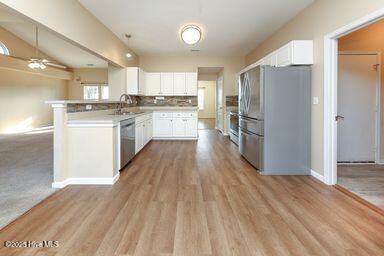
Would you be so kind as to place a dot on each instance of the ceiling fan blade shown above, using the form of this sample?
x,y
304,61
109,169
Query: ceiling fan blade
x,y
55,65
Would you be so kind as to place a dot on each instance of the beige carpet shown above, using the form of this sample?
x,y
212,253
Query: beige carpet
x,y
26,172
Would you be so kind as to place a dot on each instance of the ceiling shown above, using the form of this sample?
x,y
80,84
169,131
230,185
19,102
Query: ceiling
x,y
230,27
59,49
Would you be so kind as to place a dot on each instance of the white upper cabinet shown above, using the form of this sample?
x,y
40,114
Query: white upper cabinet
x,y
167,83
297,52
152,84
135,78
179,84
191,83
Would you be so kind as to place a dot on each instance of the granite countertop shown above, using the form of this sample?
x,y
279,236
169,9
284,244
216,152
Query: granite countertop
x,y
107,119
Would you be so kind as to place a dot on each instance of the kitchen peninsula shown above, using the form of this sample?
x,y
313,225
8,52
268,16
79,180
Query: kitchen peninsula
x,y
88,137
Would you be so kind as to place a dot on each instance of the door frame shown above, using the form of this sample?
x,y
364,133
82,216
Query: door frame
x,y
377,98
222,103
330,91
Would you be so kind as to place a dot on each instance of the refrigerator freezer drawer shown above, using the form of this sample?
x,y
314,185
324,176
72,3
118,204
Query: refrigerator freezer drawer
x,y
253,125
251,148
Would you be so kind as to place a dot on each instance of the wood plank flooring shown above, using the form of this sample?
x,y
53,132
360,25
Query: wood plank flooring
x,y
199,198
207,123
366,181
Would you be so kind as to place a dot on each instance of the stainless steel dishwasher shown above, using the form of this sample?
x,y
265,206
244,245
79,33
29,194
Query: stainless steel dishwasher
x,y
127,141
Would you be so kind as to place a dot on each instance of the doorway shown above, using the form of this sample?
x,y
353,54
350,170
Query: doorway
x,y
210,98
356,126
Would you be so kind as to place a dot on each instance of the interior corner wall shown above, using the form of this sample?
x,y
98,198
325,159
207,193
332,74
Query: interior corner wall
x,y
85,75
369,39
314,22
209,110
22,100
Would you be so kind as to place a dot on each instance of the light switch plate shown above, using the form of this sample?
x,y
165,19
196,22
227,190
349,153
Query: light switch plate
x,y
88,107
315,100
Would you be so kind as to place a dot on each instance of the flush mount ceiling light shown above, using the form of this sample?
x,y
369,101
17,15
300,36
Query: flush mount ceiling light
x,y
191,34
129,55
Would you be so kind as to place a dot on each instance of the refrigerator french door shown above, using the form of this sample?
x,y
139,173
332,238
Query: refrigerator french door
x,y
274,119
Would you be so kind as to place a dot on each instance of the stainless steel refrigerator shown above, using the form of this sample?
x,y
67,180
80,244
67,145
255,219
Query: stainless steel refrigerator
x,y
275,119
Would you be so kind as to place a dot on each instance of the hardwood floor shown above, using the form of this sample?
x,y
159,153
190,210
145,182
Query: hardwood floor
x,y
366,181
199,198
207,123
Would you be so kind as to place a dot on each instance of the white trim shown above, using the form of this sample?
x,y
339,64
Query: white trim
x,y
175,138
317,175
330,92
86,181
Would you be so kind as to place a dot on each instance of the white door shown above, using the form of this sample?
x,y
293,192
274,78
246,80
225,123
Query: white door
x,y
191,127
152,84
162,128
166,83
191,83
179,84
357,103
220,110
178,127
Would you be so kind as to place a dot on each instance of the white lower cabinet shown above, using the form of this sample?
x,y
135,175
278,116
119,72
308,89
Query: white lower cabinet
x,y
143,131
162,127
178,124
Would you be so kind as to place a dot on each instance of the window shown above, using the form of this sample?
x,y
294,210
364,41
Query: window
x,y
200,98
96,92
3,49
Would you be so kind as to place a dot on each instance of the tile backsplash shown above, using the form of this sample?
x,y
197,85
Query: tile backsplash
x,y
182,101
232,101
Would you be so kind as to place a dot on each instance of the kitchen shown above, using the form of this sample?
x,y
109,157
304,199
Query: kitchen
x,y
133,173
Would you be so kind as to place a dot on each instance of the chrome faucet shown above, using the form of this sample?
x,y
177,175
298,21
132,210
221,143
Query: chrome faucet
x,y
127,99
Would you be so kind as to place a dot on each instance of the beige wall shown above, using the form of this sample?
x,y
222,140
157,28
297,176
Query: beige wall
x,y
85,75
317,20
22,100
23,92
370,38
71,21
209,110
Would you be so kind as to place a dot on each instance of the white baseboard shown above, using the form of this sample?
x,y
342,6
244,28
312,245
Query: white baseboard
x,y
86,181
317,176
176,138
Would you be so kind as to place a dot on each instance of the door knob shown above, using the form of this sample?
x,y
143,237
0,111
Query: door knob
x,y
339,118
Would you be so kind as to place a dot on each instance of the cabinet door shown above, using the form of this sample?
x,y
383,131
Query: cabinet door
x,y
152,84
162,128
148,130
191,83
141,82
138,137
191,127
179,84
166,83
178,127
284,55
132,80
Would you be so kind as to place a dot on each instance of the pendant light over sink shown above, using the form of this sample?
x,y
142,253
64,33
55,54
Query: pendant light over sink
x,y
191,34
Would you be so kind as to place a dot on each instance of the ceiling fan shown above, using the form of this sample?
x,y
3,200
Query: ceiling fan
x,y
36,62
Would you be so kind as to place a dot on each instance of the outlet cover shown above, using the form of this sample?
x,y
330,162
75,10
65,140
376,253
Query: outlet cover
x,y
315,100
88,107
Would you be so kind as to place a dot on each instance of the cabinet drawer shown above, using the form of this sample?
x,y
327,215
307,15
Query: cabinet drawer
x,y
190,114
162,114
178,114
142,118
